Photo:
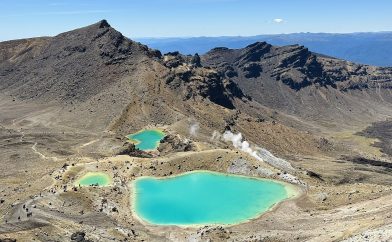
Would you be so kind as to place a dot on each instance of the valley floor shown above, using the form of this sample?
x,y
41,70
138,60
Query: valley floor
x,y
340,199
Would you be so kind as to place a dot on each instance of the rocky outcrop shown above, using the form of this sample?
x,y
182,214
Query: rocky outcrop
x,y
79,236
252,70
295,81
296,67
196,61
175,143
254,53
129,148
189,78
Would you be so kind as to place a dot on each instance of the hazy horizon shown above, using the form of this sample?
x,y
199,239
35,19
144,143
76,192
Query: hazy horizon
x,y
191,18
261,34
208,36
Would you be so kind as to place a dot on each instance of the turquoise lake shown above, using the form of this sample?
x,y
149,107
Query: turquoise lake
x,y
202,197
147,139
94,178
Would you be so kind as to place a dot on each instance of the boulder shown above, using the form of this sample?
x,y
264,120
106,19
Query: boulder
x,y
79,236
129,148
196,60
252,70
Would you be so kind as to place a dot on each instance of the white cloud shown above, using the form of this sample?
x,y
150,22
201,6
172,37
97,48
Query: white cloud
x,y
278,20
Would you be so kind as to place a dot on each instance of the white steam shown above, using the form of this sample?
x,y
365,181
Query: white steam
x,y
257,152
238,143
193,129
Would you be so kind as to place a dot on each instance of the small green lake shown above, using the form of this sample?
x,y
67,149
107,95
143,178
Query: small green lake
x,y
94,179
202,197
147,139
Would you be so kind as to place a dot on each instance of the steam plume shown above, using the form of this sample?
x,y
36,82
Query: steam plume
x,y
238,143
257,152
193,129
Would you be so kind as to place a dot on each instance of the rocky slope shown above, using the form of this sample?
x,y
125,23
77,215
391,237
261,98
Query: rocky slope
x,y
298,82
96,70
97,73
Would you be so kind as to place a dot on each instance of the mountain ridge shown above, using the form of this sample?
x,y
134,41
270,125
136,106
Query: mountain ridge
x,y
365,48
93,66
96,63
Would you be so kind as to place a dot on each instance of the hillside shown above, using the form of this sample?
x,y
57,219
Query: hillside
x,y
97,73
304,84
68,102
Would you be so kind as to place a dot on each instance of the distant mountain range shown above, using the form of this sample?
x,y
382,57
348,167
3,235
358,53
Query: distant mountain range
x,y
365,48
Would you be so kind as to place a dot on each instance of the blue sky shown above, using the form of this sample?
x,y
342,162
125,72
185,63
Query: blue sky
x,y
169,18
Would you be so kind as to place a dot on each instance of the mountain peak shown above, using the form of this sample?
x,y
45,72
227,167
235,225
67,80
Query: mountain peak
x,y
103,24
257,45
